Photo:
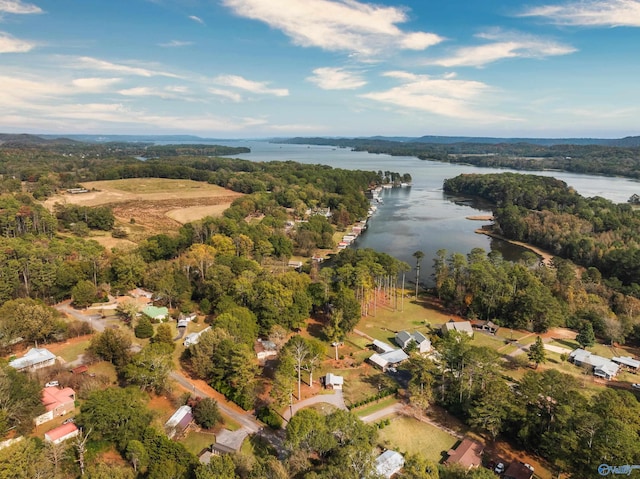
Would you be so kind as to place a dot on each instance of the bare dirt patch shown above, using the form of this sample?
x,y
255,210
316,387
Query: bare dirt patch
x,y
194,213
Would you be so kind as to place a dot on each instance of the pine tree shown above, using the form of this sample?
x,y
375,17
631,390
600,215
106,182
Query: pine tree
x,y
586,338
536,352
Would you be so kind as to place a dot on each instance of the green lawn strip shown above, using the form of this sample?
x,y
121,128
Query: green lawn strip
x,y
507,333
71,352
229,423
528,340
104,368
481,339
196,441
409,435
508,349
375,406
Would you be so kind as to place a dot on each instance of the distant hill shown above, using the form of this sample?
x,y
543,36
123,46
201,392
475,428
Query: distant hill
x,y
23,139
138,138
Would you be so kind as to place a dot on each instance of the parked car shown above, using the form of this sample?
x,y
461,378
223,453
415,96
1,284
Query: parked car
x,y
499,468
52,384
529,466
635,386
67,421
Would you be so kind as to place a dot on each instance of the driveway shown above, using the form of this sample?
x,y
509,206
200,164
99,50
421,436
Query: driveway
x,y
336,399
95,320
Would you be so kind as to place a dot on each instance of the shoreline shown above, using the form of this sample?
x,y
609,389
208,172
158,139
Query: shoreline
x,y
545,255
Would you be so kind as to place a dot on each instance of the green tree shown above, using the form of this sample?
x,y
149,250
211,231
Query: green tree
x,y
84,293
219,467
103,470
23,460
19,401
537,353
150,368
417,466
144,328
112,345
586,337
206,413
137,455
164,336
115,415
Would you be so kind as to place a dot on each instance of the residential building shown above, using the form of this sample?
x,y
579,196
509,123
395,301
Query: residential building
x,y
601,367
179,421
459,326
265,349
389,359
36,358
382,347
57,402
389,463
62,433
157,313
627,362
488,326
404,338
468,454
518,470
193,338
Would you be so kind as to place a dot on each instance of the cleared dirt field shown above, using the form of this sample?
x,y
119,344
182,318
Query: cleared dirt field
x,y
153,205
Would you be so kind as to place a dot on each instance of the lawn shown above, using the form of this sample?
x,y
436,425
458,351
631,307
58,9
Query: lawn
x,y
362,383
71,352
487,340
375,406
410,435
196,441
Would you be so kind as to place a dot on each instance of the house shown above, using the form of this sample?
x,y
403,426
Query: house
x,y
404,338
193,338
468,454
459,326
389,463
265,349
389,359
518,470
488,326
382,347
187,317
62,433
140,293
179,421
157,313
57,402
601,367
627,362
183,323
36,358
214,450
331,381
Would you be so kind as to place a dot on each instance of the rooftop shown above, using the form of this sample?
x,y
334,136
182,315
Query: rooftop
x,y
34,356
468,454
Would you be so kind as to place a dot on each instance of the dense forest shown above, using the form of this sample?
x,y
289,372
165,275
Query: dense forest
x,y
588,159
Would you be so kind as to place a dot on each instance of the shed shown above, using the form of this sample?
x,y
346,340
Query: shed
x,y
468,454
331,381
403,338
80,369
389,463
35,358
62,433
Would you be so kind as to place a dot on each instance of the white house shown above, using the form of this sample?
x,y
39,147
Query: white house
x,y
404,338
602,367
389,359
62,433
35,358
193,338
179,421
459,326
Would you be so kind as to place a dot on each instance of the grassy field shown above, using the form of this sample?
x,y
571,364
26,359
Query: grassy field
x,y
361,383
410,435
196,441
363,411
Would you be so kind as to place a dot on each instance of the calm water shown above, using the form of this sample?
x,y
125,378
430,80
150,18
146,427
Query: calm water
x,y
422,217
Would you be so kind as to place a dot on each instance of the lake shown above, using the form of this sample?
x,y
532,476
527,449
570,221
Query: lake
x,y
422,217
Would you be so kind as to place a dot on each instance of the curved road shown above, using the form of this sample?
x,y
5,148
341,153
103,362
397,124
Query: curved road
x,y
95,320
336,399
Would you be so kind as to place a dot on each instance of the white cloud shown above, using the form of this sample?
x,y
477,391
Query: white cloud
x,y
336,25
166,93
196,19
18,7
329,78
442,96
94,84
504,45
241,83
175,44
9,44
613,13
231,95
103,65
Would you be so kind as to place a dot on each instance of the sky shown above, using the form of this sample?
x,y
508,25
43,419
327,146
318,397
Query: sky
x,y
279,68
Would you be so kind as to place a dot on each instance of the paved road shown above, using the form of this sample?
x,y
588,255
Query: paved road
x,y
95,320
336,399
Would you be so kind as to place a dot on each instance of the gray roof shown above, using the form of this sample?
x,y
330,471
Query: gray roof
x,y
627,361
34,356
402,338
382,345
419,337
587,358
608,369
394,357
460,326
178,416
378,360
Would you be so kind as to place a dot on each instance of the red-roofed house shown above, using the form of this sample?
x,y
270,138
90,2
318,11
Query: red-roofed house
x,y
62,433
57,402
468,454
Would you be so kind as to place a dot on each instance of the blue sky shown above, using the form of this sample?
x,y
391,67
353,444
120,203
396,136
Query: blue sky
x,y
264,68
